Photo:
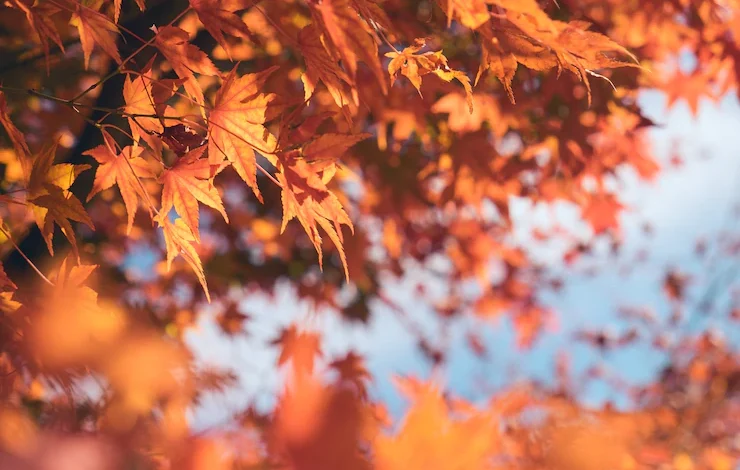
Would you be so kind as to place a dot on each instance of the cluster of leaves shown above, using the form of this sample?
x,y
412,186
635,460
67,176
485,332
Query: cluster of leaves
x,y
397,164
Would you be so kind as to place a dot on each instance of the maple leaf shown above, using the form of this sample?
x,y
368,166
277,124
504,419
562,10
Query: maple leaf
x,y
23,153
308,128
185,59
323,152
62,176
528,324
186,183
50,199
485,109
6,285
39,172
319,426
40,21
351,36
471,13
689,87
583,52
218,17
321,67
236,124
408,63
300,347
602,213
433,435
71,327
532,39
373,12
123,170
304,192
117,8
351,368
413,66
178,239
504,48
502,65
305,197
145,100
181,139
60,209
95,28
138,97
71,275
674,285
231,319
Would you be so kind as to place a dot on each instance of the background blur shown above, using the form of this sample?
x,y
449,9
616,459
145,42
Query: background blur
x,y
680,223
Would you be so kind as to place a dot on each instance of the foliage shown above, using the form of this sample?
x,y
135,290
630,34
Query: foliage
x,y
398,133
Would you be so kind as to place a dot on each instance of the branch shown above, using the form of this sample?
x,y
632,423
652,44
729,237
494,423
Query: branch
x,y
129,18
110,97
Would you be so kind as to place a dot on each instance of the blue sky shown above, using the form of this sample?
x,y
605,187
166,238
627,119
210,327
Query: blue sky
x,y
682,205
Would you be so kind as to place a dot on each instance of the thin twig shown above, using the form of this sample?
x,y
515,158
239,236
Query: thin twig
x,y
269,176
119,69
18,249
110,111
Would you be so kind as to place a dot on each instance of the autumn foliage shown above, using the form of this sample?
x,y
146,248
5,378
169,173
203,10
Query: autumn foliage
x,y
165,161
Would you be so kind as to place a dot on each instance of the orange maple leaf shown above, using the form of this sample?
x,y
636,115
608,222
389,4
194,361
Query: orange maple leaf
x,y
236,124
185,59
323,152
413,66
39,17
218,17
471,13
50,198
529,37
485,109
320,66
70,328
351,369
305,196
138,97
602,212
300,347
117,8
351,37
123,170
433,435
57,208
23,153
179,239
317,426
186,183
145,104
6,285
95,28
690,87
